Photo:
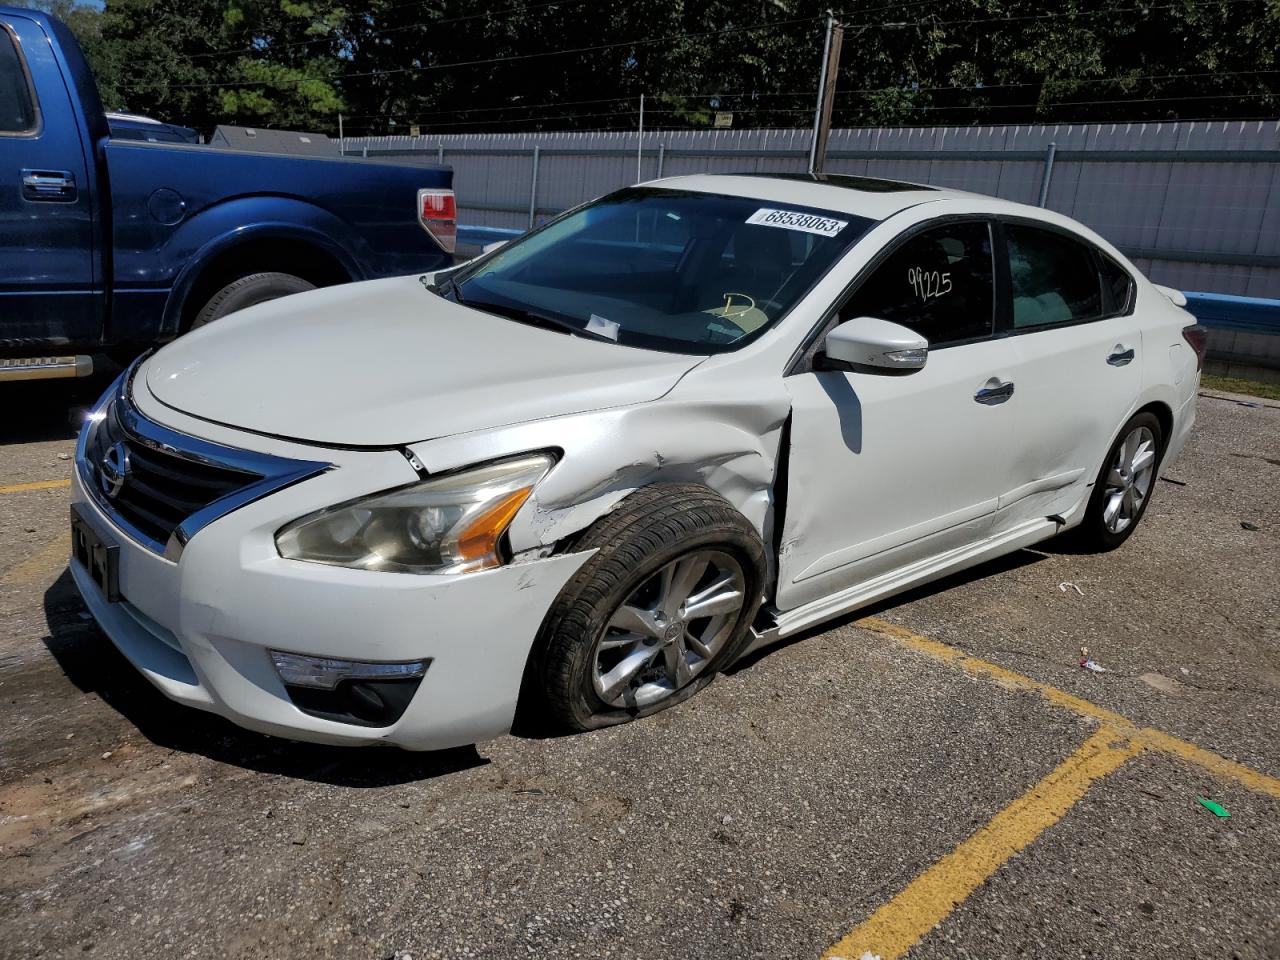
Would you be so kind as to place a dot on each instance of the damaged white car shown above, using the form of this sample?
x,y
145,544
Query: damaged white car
x,y
580,475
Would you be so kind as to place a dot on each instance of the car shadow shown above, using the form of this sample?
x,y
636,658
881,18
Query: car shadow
x,y
848,407
94,665
1004,564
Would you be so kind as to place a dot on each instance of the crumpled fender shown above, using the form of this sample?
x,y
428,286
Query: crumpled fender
x,y
729,443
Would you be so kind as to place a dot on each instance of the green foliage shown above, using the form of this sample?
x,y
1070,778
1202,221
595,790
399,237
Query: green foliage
x,y
471,65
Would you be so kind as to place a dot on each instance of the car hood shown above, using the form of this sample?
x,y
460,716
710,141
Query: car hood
x,y
387,362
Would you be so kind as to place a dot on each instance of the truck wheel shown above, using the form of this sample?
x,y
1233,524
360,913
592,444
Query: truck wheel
x,y
666,601
247,291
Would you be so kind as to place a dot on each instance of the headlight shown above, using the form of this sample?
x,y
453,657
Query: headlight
x,y
449,525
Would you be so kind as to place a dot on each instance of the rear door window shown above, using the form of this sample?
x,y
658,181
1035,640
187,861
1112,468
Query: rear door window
x,y
1054,278
938,283
17,106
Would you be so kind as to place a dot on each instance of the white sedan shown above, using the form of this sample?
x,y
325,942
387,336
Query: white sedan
x,y
580,475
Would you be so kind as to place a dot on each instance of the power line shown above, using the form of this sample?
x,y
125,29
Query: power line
x,y
909,108
494,14
508,59
488,15
423,117
645,41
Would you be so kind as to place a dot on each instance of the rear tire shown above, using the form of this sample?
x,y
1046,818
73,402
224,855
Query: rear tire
x,y
1124,486
247,292
613,613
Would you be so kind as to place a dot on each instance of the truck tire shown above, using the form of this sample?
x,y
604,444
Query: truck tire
x,y
665,552
248,291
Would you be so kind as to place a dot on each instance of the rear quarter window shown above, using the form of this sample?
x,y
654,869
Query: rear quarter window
x,y
1118,284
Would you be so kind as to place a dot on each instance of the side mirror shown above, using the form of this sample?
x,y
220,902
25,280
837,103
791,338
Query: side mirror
x,y
868,344
496,245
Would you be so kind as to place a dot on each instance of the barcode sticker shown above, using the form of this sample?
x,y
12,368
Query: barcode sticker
x,y
795,220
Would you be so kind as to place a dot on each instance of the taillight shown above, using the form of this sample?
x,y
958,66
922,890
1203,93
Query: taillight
x,y
1198,337
438,214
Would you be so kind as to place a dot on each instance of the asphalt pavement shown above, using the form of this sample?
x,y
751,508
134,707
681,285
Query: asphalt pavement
x,y
936,777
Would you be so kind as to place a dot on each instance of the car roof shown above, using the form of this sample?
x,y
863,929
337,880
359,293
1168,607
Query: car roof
x,y
868,197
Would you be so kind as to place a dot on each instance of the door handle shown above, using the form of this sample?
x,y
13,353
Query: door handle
x,y
49,186
994,391
1120,355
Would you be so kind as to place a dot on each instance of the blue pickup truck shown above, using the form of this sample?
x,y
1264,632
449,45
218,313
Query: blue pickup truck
x,y
108,245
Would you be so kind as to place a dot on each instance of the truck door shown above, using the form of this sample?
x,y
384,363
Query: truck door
x,y
49,291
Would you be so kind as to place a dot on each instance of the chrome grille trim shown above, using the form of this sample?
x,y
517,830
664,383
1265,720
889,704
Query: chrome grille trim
x,y
263,474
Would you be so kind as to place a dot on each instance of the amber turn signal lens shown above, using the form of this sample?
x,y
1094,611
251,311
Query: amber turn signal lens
x,y
479,541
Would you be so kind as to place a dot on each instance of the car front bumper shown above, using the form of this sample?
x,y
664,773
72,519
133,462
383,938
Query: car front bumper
x,y
202,629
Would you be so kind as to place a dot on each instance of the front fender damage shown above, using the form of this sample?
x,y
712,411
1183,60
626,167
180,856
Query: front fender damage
x,y
730,447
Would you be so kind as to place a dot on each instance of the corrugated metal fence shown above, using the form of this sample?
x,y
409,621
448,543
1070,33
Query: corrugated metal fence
x,y
1196,205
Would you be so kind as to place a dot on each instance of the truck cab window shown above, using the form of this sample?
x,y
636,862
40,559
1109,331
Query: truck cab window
x,y
17,110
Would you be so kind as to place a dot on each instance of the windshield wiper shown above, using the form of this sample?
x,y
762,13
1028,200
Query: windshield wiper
x,y
448,286
535,319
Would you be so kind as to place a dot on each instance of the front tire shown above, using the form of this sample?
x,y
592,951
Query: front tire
x,y
1124,485
666,602
247,292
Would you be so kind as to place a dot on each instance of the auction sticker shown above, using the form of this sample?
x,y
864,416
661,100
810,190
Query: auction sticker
x,y
795,220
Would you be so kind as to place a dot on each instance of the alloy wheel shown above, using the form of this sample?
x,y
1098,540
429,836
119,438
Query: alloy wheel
x,y
668,629
1129,480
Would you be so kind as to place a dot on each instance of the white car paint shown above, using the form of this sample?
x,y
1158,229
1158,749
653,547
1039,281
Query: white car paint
x,y
386,345
890,480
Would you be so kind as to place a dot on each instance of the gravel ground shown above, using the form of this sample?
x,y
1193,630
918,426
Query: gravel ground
x,y
764,818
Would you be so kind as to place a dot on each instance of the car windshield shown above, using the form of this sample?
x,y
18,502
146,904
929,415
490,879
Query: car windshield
x,y
664,269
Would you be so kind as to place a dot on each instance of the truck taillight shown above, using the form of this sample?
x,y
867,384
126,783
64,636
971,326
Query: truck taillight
x,y
438,214
1198,337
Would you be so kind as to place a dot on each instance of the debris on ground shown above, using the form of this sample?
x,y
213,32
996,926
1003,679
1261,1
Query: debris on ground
x,y
1090,665
1160,682
1176,483
1066,585
1249,525
1215,809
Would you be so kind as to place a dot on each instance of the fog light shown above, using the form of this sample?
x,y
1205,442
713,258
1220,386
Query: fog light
x,y
325,673
359,692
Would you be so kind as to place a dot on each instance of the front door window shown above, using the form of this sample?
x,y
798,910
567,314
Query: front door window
x,y
938,283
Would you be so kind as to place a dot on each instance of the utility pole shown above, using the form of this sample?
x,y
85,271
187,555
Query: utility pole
x,y
342,142
640,140
826,95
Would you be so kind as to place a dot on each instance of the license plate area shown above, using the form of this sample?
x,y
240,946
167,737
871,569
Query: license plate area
x,y
97,554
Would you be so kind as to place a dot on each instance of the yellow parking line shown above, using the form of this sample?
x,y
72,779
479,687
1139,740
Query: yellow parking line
x,y
929,899
37,485
894,928
1146,736
41,565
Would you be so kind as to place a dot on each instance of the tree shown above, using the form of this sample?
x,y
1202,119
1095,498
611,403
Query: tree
x,y
452,66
